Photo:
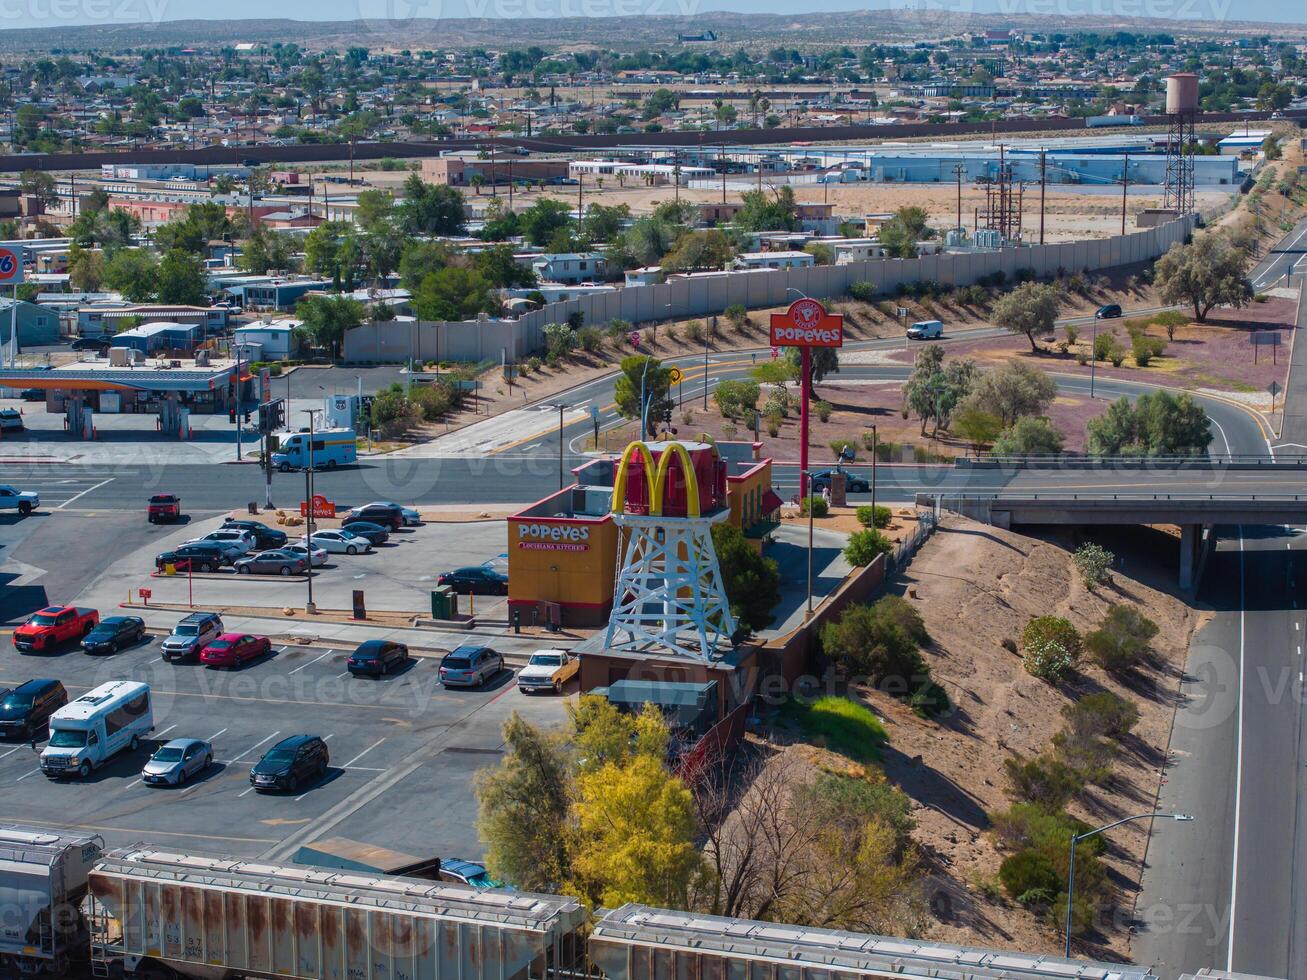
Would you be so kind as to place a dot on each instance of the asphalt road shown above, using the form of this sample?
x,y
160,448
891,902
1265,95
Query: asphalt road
x,y
1287,259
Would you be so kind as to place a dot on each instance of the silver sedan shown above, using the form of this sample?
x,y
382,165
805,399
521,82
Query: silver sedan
x,y
177,761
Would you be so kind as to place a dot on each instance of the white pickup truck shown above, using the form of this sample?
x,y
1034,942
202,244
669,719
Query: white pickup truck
x,y
547,670
23,501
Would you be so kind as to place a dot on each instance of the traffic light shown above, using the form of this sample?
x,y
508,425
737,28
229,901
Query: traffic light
x,y
231,415
272,416
667,415
247,416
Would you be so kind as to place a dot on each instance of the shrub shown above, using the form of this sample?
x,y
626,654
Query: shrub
x,y
1103,345
1094,563
864,291
590,338
694,331
929,700
432,400
778,401
533,364
274,370
824,409
1044,780
1103,713
1122,638
773,424
838,446
878,518
1087,755
1082,358
560,339
736,315
1050,647
1072,333
864,546
818,504
880,642
1171,321
845,725
1029,877
734,397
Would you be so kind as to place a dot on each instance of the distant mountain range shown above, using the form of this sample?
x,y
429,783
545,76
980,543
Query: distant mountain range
x,y
914,19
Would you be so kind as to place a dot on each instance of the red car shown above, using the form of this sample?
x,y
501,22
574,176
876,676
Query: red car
x,y
164,507
235,649
54,625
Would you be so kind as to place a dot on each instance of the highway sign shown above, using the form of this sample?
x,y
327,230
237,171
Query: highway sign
x,y
1273,388
675,376
11,266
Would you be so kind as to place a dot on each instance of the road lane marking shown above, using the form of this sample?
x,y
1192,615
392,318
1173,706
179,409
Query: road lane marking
x,y
311,662
84,493
1238,756
363,753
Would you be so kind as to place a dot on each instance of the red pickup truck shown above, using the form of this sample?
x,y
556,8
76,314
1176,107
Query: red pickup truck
x,y
54,625
164,507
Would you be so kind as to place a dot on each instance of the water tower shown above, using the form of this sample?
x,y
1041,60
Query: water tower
x,y
1181,110
669,598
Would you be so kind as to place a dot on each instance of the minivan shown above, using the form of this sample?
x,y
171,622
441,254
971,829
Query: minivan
x,y
926,330
191,635
1108,311
470,666
26,709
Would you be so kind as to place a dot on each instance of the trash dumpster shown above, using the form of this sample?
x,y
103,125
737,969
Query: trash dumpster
x,y
444,602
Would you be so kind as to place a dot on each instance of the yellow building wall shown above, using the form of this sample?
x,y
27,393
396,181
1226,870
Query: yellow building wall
x,y
566,570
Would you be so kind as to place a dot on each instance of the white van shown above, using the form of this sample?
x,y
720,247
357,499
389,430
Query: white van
x,y
926,330
86,733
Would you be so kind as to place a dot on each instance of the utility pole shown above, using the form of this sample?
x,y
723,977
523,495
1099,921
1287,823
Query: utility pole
x,y
1125,184
958,170
510,183
308,496
676,175
721,164
1043,184
580,185
239,383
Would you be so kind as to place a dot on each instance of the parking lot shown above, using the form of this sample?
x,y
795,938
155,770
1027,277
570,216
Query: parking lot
x,y
404,753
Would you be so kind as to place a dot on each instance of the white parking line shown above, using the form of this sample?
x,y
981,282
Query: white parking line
x,y
17,747
164,732
254,746
311,662
363,753
213,737
25,775
247,792
84,493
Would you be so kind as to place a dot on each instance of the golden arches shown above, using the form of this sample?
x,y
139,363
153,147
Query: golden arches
x,y
656,480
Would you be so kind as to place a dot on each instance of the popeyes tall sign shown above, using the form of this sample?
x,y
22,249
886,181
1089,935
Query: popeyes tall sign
x,y
807,324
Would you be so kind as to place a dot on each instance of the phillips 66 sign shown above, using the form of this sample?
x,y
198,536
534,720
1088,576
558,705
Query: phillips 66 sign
x,y
11,266
807,324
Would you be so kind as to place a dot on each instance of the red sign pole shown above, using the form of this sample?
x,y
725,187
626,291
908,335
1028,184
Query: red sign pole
x,y
805,325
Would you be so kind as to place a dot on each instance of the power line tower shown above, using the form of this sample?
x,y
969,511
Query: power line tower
x,y
1181,140
1004,199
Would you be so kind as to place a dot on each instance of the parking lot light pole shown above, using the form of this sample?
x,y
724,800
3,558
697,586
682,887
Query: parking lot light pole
x,y
805,480
873,474
1071,864
309,608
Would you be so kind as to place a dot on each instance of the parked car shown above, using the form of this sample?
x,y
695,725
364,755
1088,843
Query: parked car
x,y
53,626
475,580
231,650
467,873
411,516
11,420
195,556
190,636
340,542
387,514
377,657
275,562
853,484
470,666
25,711
113,634
32,394
23,501
176,761
100,344
547,670
926,330
265,538
235,542
164,507
1108,311
290,763
315,556
375,533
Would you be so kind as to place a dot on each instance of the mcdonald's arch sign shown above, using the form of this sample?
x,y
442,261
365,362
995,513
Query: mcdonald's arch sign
x,y
807,324
656,479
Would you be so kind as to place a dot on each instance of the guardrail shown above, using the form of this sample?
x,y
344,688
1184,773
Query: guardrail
x,y
930,499
1229,461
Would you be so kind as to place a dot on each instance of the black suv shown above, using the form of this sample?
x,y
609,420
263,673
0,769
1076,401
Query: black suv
x,y
383,514
265,538
25,711
290,763
198,556
377,657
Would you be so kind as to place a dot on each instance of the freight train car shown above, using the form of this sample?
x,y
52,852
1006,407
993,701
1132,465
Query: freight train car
x,y
155,913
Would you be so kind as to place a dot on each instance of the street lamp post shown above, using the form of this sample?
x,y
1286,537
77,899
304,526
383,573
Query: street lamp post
x,y
1071,864
803,479
873,474
805,387
310,608
1093,354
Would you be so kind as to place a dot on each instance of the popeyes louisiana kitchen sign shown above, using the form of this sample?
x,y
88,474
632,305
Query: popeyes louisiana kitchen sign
x,y
807,324
537,536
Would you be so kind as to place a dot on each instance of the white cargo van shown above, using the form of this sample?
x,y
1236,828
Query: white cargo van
x,y
86,733
926,330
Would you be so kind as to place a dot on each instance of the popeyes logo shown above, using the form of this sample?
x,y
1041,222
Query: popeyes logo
x,y
807,324
553,537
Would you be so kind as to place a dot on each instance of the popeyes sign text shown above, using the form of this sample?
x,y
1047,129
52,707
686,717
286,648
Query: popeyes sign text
x,y
807,324
553,537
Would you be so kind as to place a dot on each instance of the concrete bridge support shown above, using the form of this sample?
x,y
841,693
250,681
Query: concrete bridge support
x,y
1195,541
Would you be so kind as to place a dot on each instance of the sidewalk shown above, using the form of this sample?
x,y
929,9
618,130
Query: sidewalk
x,y
1293,429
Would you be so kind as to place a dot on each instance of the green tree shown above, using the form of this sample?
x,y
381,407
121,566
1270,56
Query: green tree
x,y
453,293
429,209
393,413
543,219
936,387
752,581
132,272
643,373
1029,436
327,318
976,426
523,809
1030,309
821,362
899,235
1207,272
760,211
699,250
182,279
1157,424
1012,391
865,546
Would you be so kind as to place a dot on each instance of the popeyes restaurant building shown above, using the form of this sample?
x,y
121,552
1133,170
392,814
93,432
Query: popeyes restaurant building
x,y
563,550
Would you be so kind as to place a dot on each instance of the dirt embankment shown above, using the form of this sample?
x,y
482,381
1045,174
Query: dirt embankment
x,y
977,586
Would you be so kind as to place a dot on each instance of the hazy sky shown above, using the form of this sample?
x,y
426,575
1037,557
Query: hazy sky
x,y
947,15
